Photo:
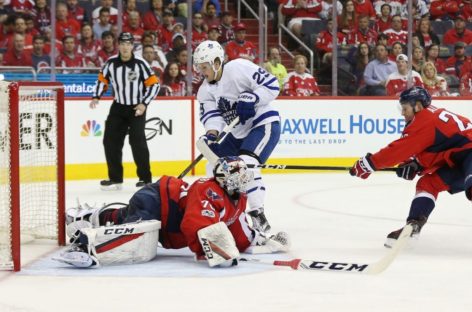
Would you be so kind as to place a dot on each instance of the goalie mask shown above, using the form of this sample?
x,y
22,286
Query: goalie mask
x,y
232,174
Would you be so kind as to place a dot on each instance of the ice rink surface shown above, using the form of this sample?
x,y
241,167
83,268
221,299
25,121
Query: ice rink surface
x,y
331,217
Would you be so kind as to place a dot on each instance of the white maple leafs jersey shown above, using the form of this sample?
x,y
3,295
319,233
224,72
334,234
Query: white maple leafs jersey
x,y
218,100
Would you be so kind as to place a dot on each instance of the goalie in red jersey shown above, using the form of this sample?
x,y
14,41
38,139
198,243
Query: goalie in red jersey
x,y
436,145
207,216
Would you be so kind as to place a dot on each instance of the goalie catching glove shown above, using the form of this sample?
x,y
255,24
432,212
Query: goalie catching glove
x,y
245,107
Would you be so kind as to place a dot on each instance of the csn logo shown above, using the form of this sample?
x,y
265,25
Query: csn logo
x,y
157,126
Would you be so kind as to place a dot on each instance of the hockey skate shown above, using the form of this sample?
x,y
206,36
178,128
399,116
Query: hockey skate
x,y
78,257
259,220
417,226
109,185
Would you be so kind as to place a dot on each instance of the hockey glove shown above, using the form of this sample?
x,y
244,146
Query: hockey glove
x,y
409,169
363,167
245,107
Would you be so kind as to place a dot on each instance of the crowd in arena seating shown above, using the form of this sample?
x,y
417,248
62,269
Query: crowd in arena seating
x,y
371,41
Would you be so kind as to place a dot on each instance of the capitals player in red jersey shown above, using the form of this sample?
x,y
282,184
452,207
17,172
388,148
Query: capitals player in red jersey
x,y
436,145
207,216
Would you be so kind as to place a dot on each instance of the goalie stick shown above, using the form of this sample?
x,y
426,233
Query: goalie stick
x,y
222,135
300,167
364,268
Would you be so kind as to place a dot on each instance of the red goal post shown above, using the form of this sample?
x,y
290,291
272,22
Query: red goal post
x,y
32,177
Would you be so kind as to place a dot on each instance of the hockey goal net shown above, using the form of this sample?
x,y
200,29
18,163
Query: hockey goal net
x,y
31,166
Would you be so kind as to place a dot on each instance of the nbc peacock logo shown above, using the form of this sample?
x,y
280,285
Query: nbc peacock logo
x,y
91,128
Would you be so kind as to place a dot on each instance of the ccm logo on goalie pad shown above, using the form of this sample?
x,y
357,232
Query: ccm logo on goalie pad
x,y
206,248
118,231
334,266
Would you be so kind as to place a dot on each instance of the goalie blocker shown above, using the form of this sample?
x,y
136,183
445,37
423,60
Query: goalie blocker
x,y
117,244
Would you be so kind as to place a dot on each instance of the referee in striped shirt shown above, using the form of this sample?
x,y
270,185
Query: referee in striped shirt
x,y
134,86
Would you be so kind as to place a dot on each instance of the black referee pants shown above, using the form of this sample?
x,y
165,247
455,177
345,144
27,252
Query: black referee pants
x,y
120,122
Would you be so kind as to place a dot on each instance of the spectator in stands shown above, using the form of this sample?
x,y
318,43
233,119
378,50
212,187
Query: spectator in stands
x,y
327,9
5,11
38,57
182,58
173,83
201,6
108,48
382,39
17,55
65,26
459,63
395,7
130,7
153,18
113,12
178,7
198,31
365,7
48,44
6,31
275,67
466,10
418,59
69,58
22,6
377,72
397,49
443,9
150,56
210,17
20,28
419,8
348,19
178,42
465,85
134,27
226,28
384,20
165,31
358,60
415,41
324,42
459,33
432,55
178,28
425,34
397,81
396,33
299,82
88,47
436,85
363,33
30,29
149,38
77,12
103,23
240,47
214,33
299,10
41,14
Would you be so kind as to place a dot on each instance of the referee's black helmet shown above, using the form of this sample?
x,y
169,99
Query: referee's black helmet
x,y
125,37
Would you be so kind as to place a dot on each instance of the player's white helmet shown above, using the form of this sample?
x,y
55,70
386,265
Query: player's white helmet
x,y
207,52
232,174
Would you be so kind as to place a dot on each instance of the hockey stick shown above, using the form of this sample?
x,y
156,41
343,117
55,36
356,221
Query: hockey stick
x,y
299,167
222,135
365,268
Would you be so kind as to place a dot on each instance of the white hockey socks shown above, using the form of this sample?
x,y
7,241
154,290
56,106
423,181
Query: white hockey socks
x,y
218,245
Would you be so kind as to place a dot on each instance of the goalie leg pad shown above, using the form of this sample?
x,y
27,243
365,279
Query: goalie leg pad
x,y
218,245
118,244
